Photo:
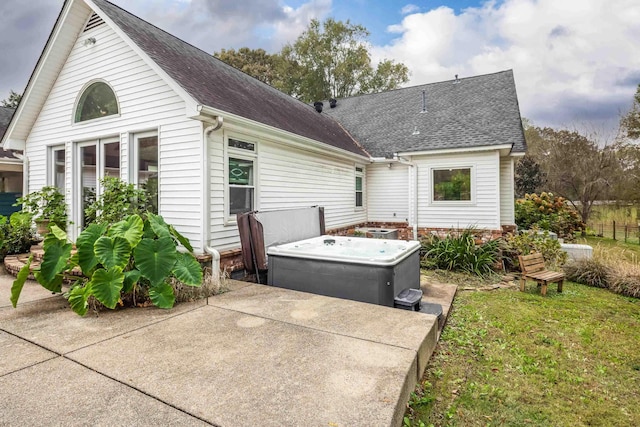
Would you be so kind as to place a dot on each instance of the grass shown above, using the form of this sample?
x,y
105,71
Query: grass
x,y
613,248
515,358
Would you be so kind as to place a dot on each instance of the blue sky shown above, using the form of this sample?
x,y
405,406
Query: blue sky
x,y
576,62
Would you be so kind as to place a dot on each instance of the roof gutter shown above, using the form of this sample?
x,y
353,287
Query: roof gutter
x,y
305,141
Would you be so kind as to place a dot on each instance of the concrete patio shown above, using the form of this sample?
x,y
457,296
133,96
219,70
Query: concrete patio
x,y
256,355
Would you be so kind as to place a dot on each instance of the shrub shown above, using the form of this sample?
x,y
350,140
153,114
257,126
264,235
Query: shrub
x,y
625,280
117,200
530,241
116,263
594,272
46,204
459,252
16,234
550,213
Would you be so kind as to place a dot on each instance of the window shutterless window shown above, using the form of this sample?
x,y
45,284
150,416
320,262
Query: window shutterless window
x,y
359,187
145,175
57,167
96,101
452,184
241,177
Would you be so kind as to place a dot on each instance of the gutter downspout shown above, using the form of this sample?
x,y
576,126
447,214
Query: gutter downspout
x,y
206,203
414,170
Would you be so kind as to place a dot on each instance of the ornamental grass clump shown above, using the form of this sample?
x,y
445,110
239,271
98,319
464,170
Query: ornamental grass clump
x,y
115,264
594,272
459,252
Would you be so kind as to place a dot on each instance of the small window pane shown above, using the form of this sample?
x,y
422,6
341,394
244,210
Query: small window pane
x,y
358,183
240,172
88,178
240,199
98,100
112,159
234,143
58,169
452,184
359,199
148,168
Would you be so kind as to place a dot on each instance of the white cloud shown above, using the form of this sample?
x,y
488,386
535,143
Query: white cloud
x,y
572,60
410,8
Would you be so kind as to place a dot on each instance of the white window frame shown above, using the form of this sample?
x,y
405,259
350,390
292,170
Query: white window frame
x,y
77,172
76,104
359,174
134,163
239,153
472,177
51,166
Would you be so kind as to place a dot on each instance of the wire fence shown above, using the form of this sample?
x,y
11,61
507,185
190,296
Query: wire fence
x,y
629,233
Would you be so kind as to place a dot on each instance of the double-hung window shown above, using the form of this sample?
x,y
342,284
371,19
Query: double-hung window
x,y
241,177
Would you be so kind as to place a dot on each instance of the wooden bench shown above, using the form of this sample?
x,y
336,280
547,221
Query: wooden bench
x,y
533,268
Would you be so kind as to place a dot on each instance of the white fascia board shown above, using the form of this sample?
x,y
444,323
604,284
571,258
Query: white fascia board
x,y
454,150
13,144
191,103
283,136
518,154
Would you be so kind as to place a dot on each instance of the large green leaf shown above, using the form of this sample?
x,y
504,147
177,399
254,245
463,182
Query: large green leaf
x,y
183,240
130,279
54,262
162,295
86,255
188,270
58,232
130,229
78,299
155,258
106,285
53,285
18,284
112,252
158,225
51,239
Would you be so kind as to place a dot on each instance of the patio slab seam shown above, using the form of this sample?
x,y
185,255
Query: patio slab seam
x,y
137,389
317,329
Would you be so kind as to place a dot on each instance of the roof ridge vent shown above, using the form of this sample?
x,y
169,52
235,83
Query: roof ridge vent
x,y
94,21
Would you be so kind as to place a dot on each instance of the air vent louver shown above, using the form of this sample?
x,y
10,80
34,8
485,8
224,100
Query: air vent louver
x,y
93,22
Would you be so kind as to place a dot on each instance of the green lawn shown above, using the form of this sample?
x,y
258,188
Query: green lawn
x,y
517,359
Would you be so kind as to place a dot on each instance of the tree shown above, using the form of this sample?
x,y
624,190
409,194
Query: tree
x,y
529,177
575,166
630,123
13,100
334,62
329,60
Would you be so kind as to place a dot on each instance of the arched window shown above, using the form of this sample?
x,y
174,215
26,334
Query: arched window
x,y
97,100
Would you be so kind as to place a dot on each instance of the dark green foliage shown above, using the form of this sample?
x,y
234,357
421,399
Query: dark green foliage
x,y
459,252
117,201
12,100
131,257
530,241
548,212
529,177
46,204
16,234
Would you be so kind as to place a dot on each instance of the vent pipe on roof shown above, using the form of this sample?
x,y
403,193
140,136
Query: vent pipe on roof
x,y
333,102
424,101
456,81
318,106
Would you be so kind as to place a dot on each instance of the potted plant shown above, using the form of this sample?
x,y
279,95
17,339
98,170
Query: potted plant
x,y
47,207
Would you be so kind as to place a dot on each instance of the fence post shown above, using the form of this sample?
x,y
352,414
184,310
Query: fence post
x,y
626,231
614,230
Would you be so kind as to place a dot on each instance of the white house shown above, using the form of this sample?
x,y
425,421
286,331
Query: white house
x,y
112,95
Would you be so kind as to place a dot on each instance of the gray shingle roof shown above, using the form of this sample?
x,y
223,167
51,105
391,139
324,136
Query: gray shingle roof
x,y
477,111
215,84
5,118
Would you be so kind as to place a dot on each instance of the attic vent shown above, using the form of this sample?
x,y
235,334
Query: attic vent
x,y
93,22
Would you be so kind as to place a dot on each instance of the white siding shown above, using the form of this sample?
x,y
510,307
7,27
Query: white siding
x,y
388,192
287,178
146,103
507,195
483,212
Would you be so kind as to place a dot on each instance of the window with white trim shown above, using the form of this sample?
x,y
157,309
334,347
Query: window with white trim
x,y
145,163
57,167
452,184
240,177
97,100
359,187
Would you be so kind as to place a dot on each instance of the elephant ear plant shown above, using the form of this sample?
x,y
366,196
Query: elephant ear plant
x,y
111,262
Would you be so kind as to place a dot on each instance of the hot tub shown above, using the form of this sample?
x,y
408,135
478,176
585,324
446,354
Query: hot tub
x,y
367,270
